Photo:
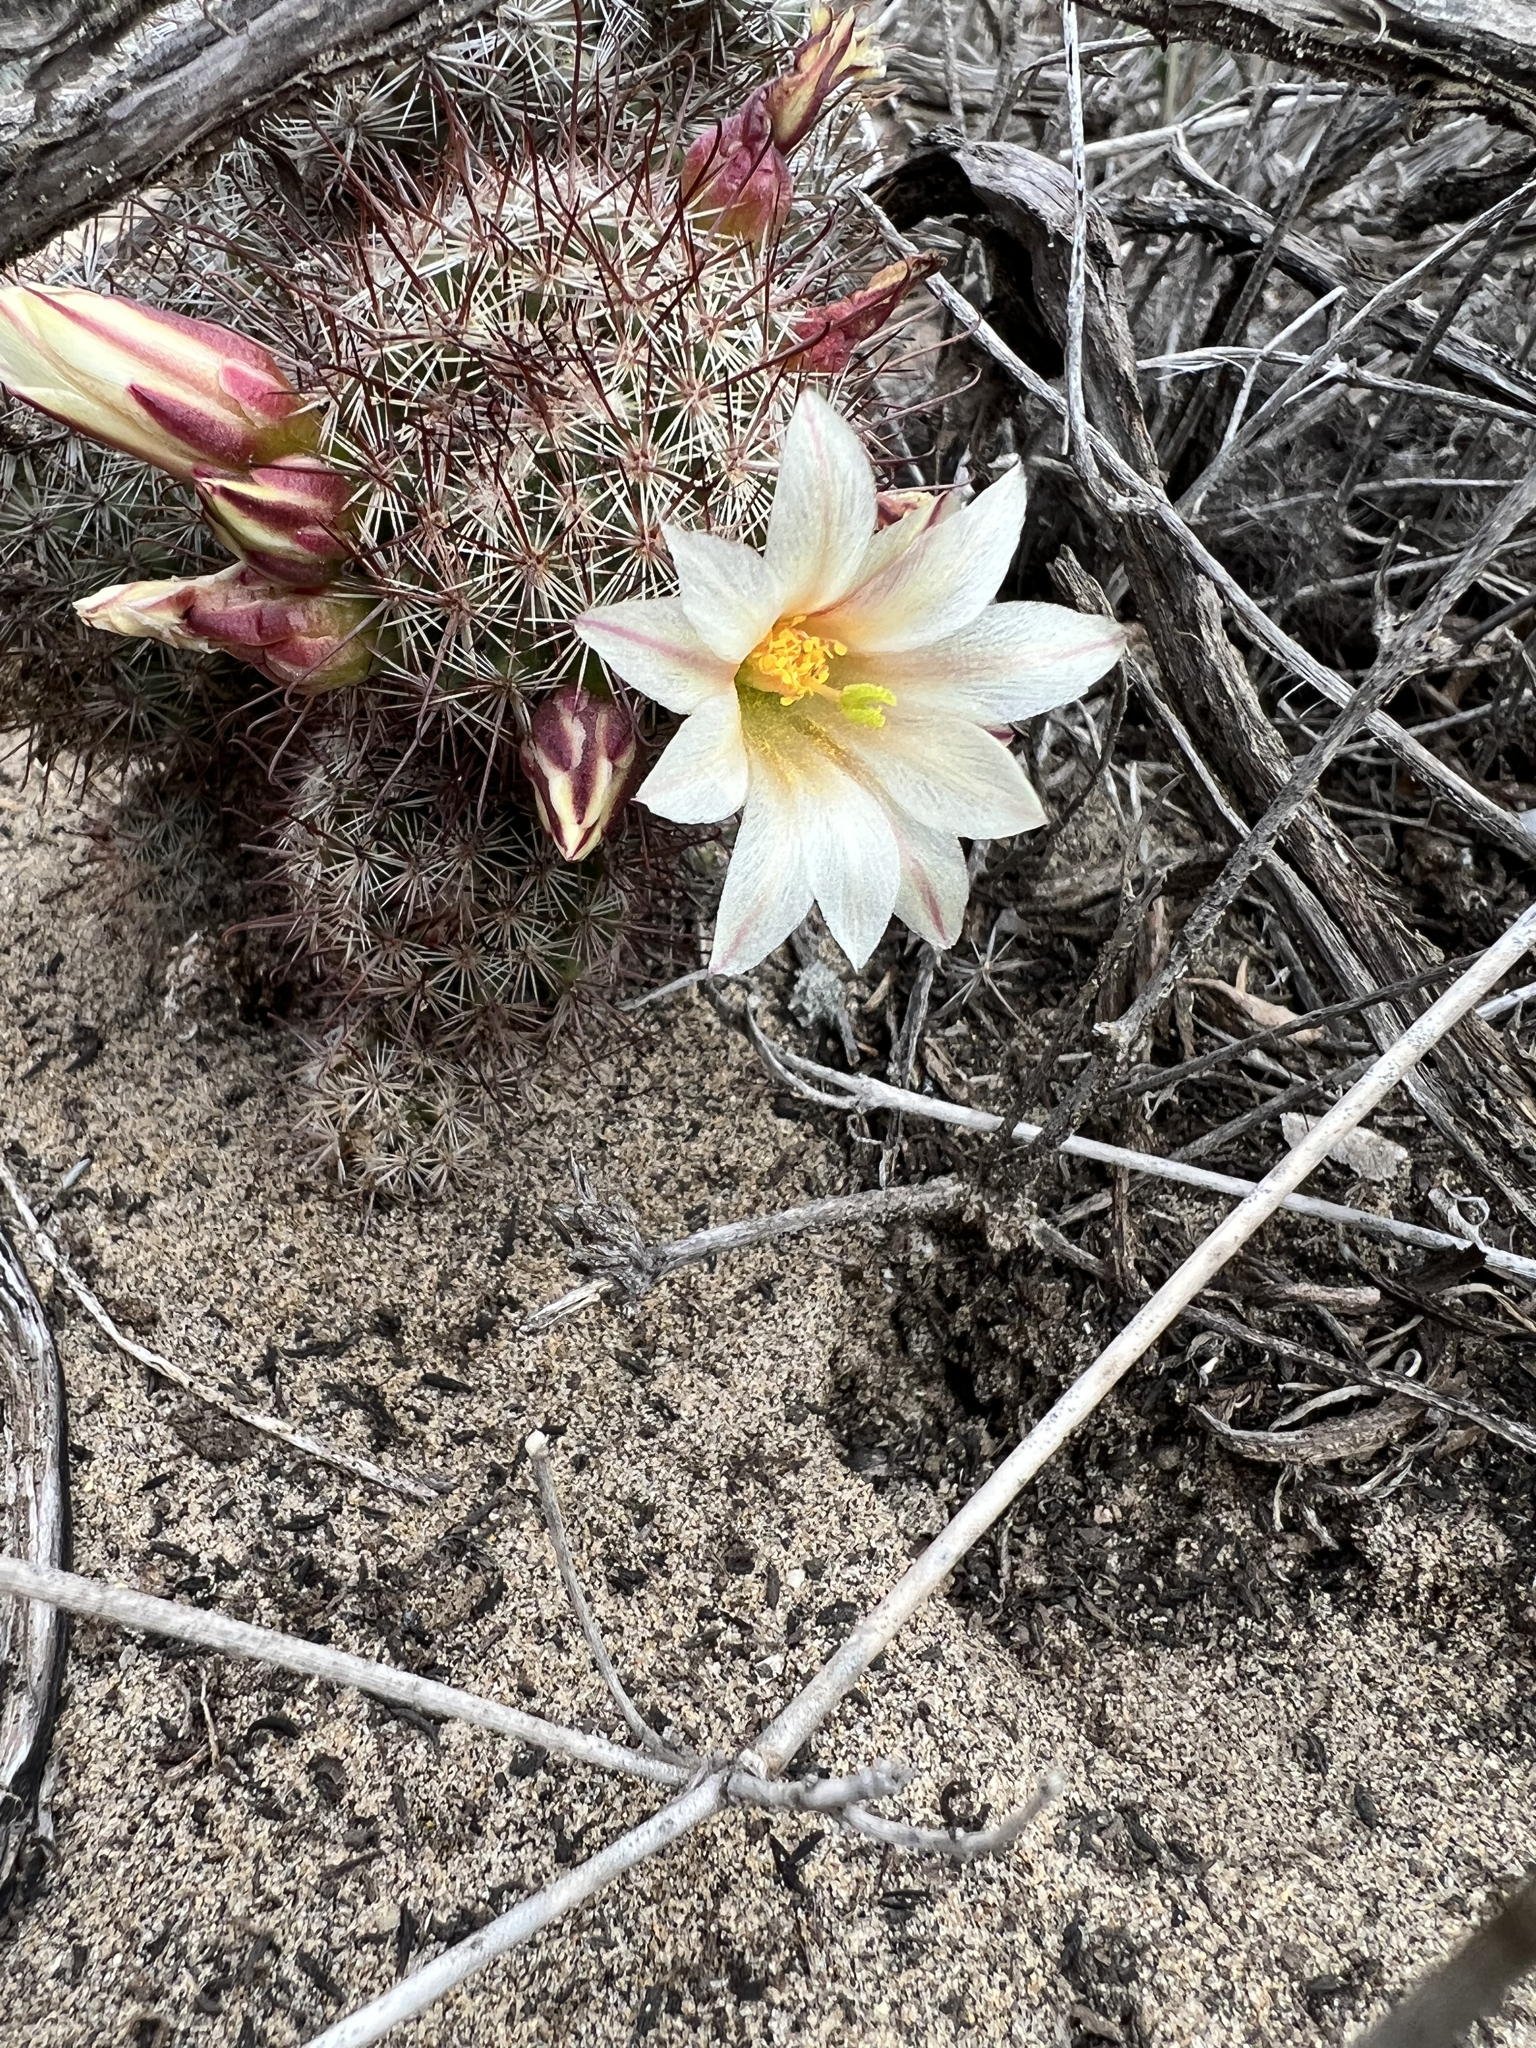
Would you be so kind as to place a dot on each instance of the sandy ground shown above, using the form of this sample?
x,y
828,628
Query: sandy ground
x,y
1266,1831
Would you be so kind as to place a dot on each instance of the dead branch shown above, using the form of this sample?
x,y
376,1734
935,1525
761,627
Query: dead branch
x,y
95,1600
1023,206
34,1523
537,1447
97,97
863,1091
607,1238
1354,1371
65,1592
1236,225
1481,57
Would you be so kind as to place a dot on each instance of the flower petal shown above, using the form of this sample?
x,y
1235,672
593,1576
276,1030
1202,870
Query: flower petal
x,y
650,643
729,593
702,776
895,539
767,890
852,859
1013,662
935,883
823,513
939,584
947,774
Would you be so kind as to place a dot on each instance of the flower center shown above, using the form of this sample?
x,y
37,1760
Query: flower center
x,y
789,663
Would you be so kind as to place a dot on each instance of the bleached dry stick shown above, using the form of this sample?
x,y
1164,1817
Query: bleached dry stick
x,y
95,1600
48,1252
799,1721
864,1092
444,1973
834,1212
846,1799
537,1447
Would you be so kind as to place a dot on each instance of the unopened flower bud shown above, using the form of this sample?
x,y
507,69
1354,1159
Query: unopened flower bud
x,y
288,518
836,51
735,179
580,757
310,640
172,391
829,335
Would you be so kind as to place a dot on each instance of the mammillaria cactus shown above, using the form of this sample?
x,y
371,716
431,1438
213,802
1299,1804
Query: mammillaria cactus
x,y
439,400
437,408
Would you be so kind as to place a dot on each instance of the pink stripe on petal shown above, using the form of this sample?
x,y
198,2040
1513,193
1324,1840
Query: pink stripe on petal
x,y
650,644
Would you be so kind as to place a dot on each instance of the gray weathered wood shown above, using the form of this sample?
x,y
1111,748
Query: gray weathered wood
x,y
1468,1986
99,96
1022,205
34,1524
1233,223
1478,54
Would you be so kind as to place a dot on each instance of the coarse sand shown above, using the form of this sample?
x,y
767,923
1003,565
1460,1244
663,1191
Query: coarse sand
x,y
1262,1837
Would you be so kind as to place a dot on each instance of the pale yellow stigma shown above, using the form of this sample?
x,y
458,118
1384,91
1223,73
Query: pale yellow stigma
x,y
789,663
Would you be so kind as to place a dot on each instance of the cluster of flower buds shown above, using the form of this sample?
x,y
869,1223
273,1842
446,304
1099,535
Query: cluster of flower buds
x,y
580,758
215,410
736,176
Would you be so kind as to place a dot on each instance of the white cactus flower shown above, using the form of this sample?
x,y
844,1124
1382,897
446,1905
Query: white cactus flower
x,y
838,689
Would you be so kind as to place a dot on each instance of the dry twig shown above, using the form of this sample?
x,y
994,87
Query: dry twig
x,y
864,1092
629,1267
537,1447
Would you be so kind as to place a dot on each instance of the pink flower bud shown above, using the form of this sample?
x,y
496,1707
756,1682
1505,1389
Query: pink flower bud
x,y
580,757
310,640
829,335
836,51
735,179
290,518
172,391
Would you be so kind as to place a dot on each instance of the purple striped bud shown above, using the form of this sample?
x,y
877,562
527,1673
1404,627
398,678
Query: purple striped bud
x,y
172,391
302,639
290,519
580,757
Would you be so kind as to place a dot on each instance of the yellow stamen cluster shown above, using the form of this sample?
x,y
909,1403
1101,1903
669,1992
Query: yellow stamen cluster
x,y
790,663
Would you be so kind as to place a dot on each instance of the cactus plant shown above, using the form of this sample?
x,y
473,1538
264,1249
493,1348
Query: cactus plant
x,y
521,352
